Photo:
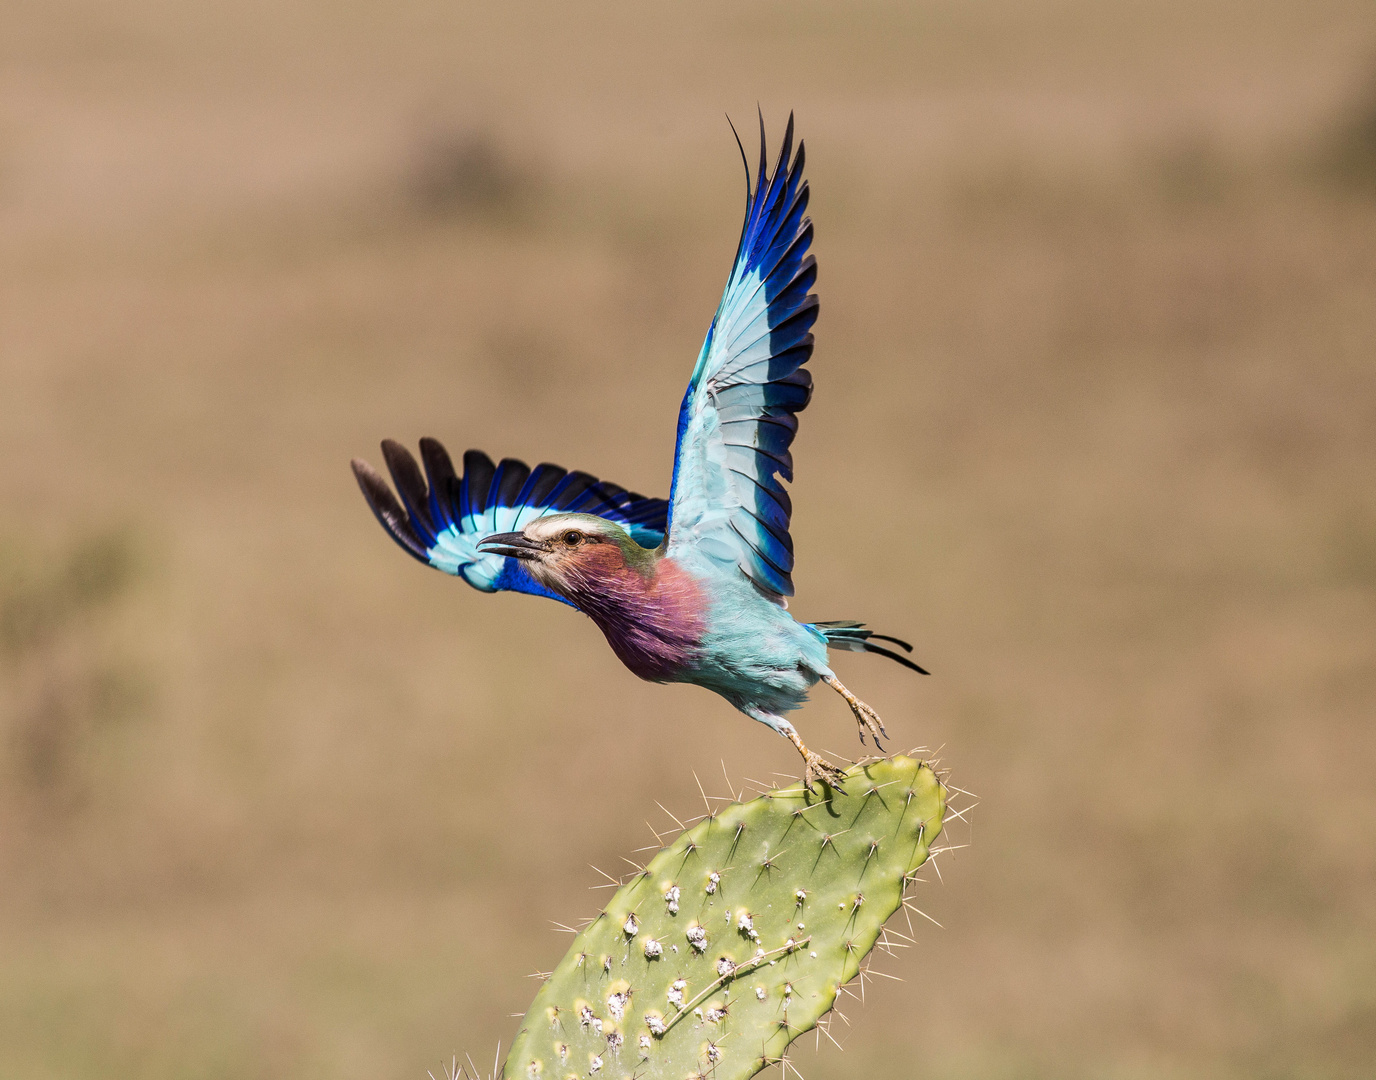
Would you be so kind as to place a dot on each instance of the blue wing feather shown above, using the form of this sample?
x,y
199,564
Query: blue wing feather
x,y
739,413
441,522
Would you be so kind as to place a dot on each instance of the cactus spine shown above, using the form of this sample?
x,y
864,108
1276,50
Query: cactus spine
x,y
737,937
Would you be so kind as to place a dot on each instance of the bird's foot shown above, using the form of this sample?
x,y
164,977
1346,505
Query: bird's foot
x,y
866,719
819,768
816,767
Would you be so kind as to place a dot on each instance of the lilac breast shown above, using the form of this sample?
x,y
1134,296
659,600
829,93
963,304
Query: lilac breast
x,y
653,624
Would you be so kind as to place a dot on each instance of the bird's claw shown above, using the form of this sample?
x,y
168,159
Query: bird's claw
x,y
819,768
866,719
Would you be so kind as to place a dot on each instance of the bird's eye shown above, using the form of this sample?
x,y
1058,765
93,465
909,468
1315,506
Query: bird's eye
x,y
573,538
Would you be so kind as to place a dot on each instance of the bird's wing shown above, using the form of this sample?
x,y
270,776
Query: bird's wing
x,y
441,522
739,414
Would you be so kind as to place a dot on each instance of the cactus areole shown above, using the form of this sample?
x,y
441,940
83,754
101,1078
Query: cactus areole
x,y
758,916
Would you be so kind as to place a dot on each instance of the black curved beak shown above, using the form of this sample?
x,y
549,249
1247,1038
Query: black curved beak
x,y
513,544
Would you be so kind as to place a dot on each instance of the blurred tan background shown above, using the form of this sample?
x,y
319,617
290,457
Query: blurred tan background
x,y
1095,427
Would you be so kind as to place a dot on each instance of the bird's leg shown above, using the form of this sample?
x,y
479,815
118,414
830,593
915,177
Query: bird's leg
x,y
866,719
817,767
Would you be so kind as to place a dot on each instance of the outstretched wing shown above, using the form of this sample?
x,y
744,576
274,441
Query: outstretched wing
x,y
442,522
739,414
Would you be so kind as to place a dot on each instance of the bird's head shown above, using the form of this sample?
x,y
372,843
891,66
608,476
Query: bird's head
x,y
570,553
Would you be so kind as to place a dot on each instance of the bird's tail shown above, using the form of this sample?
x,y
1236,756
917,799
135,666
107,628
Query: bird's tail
x,y
853,637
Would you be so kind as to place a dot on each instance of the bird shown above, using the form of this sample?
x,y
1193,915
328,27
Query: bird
x,y
692,589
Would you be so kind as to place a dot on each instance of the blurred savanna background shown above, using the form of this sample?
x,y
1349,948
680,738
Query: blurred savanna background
x,y
1095,427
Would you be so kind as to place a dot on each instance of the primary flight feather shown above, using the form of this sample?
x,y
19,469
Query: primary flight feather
x,y
692,589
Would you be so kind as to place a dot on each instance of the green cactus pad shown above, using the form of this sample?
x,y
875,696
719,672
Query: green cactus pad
x,y
737,937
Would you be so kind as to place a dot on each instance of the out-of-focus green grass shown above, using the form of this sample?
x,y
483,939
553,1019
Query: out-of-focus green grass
x,y
1095,426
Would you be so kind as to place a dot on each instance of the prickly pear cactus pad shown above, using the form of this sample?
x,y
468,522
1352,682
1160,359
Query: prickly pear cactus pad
x,y
737,937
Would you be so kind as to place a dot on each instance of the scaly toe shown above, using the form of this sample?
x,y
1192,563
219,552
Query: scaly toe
x,y
819,768
866,719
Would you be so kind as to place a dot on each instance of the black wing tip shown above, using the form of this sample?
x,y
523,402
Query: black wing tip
x,y
387,509
744,160
401,463
475,455
373,486
786,149
393,449
439,467
764,159
410,483
789,161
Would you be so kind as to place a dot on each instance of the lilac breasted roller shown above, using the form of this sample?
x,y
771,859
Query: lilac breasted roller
x,y
693,589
